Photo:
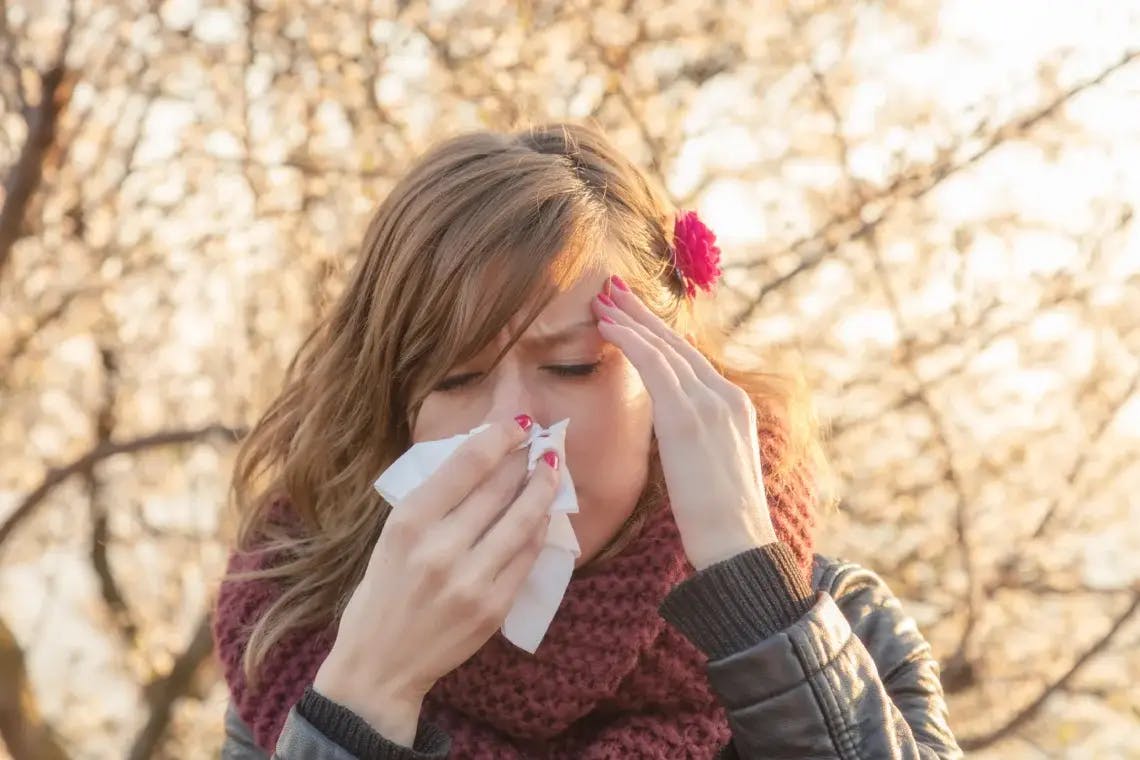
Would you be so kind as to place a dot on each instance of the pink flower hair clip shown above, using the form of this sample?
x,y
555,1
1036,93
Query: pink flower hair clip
x,y
696,257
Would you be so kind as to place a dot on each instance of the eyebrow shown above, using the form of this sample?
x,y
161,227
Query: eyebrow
x,y
561,335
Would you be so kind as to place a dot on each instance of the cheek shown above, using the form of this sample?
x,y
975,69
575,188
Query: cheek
x,y
443,415
608,446
431,422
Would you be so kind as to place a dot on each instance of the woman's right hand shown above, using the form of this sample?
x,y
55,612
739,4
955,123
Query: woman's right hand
x,y
442,576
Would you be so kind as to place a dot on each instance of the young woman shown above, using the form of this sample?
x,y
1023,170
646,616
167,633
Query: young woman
x,y
521,278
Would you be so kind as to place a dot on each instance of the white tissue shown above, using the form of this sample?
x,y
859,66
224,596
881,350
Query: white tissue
x,y
541,594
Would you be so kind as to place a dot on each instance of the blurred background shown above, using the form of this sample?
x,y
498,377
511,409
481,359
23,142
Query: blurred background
x,y
931,203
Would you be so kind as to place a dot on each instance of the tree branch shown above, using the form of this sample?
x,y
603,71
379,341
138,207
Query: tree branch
x,y
109,590
867,215
165,692
24,731
956,336
58,475
24,179
38,323
11,61
43,122
974,743
1082,458
959,662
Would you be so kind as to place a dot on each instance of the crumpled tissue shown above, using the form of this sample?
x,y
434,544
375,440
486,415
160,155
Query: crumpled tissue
x,y
541,594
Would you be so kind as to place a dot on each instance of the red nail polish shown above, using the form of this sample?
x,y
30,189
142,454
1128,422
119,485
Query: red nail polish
x,y
605,299
551,458
619,283
606,318
524,421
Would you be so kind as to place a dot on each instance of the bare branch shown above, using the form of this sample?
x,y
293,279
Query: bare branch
x,y
973,743
43,122
23,730
58,475
1082,458
1041,588
844,426
24,179
11,60
166,692
867,215
654,145
39,322
960,658
109,590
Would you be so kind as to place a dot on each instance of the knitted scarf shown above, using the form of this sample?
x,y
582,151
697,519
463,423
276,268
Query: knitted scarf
x,y
611,678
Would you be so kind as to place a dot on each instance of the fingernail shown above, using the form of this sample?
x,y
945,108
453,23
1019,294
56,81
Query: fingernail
x,y
619,283
551,458
524,421
605,299
606,318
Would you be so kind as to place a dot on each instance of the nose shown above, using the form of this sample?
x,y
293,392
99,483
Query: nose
x,y
511,394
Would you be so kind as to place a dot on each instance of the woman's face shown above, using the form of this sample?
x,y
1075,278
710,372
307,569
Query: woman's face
x,y
561,368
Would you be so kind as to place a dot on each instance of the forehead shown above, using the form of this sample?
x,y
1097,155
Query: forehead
x,y
569,306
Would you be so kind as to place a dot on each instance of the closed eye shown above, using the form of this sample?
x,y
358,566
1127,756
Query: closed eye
x,y
573,370
457,381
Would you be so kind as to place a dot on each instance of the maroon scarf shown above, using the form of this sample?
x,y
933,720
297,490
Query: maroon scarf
x,y
611,678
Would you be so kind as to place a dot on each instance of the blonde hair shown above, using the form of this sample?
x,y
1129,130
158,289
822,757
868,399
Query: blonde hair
x,y
483,227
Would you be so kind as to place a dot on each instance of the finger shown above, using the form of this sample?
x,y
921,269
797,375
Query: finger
x,y
510,533
463,470
479,510
681,368
629,303
505,586
655,371
666,376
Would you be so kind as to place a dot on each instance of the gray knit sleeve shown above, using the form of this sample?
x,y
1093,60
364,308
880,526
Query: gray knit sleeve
x,y
734,604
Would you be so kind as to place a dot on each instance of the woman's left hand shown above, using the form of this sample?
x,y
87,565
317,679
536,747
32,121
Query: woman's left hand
x,y
706,433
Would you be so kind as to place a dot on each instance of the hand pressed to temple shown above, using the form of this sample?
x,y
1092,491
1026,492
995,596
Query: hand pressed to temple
x,y
705,428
